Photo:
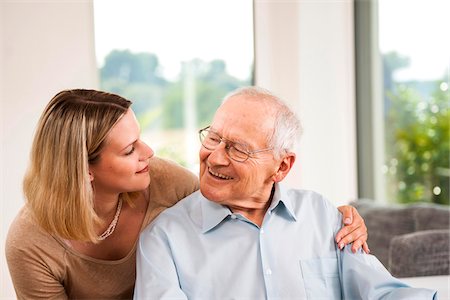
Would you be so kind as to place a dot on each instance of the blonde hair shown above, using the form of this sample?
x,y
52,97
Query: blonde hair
x,y
287,128
69,136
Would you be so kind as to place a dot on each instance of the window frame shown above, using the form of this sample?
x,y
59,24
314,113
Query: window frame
x,y
369,104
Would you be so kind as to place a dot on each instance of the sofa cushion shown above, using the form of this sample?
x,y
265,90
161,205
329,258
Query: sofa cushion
x,y
422,253
383,223
432,217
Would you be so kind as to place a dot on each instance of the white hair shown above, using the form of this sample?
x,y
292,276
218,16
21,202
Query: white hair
x,y
287,128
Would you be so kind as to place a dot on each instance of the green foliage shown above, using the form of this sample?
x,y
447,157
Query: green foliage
x,y
173,106
136,77
130,67
417,119
174,154
418,146
209,82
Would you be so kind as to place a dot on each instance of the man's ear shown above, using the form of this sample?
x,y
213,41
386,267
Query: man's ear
x,y
285,166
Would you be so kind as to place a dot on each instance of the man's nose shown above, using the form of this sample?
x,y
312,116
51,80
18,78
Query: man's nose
x,y
220,154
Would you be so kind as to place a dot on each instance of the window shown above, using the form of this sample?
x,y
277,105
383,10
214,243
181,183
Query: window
x,y
175,60
408,99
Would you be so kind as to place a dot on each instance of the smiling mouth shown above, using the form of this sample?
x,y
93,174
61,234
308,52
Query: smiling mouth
x,y
144,170
218,175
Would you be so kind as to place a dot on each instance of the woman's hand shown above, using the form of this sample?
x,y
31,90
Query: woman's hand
x,y
354,230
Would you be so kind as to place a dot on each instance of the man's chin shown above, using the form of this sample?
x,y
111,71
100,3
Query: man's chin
x,y
211,193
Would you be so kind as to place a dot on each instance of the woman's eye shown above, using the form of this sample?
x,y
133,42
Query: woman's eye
x,y
130,152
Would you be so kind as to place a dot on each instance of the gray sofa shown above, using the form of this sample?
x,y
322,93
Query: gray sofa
x,y
410,240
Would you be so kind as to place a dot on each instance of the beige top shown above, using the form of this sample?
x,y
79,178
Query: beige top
x,y
44,266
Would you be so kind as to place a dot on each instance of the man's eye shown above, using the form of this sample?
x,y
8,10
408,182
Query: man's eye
x,y
238,152
214,139
240,148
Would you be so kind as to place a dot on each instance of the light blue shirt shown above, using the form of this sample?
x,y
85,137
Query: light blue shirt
x,y
199,249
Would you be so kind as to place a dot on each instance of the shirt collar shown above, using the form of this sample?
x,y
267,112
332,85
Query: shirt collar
x,y
213,213
280,198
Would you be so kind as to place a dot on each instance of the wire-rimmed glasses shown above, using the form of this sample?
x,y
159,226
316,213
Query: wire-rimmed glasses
x,y
236,151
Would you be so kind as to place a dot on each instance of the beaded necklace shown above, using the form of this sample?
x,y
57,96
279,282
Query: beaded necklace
x,y
113,224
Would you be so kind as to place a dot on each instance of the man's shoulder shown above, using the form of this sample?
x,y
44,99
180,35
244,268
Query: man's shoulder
x,y
187,204
303,193
308,201
306,197
181,211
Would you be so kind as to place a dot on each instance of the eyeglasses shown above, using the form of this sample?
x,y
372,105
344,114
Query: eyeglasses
x,y
236,151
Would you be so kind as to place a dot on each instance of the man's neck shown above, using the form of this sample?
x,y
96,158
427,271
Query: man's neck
x,y
254,211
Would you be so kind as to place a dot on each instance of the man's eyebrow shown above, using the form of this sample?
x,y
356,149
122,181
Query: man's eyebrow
x,y
234,141
241,142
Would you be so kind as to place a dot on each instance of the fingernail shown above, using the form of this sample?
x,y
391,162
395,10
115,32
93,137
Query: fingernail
x,y
341,245
347,221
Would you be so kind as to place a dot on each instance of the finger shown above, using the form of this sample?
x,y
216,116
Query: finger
x,y
356,217
357,229
360,242
356,245
347,214
354,237
366,248
343,232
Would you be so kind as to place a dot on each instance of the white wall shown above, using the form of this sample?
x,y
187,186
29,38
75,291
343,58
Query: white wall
x,y
46,46
305,54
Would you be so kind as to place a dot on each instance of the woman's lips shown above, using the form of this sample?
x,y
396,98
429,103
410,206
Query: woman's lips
x,y
144,170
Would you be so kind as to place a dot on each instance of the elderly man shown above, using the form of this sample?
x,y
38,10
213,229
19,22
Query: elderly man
x,y
246,236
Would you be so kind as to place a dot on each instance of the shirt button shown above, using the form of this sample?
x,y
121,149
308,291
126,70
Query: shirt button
x,y
268,271
233,216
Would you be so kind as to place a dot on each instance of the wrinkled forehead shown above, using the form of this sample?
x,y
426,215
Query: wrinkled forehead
x,y
252,108
242,116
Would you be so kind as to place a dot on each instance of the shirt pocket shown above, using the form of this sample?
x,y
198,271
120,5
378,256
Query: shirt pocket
x,y
321,278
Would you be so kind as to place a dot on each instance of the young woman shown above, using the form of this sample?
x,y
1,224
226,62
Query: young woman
x,y
91,187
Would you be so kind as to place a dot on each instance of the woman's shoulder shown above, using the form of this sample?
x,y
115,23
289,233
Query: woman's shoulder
x,y
30,251
163,168
168,176
25,235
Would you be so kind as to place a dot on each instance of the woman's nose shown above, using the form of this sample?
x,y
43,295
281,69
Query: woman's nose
x,y
147,152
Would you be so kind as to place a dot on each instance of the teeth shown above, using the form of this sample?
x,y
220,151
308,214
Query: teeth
x,y
220,175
